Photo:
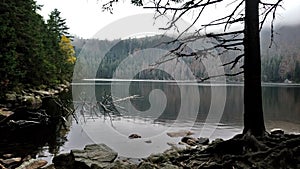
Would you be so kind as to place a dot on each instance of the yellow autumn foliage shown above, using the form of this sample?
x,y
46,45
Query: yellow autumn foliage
x,y
67,49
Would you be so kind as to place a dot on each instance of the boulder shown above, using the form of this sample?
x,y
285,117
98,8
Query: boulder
x,y
195,141
33,102
63,161
97,155
33,164
189,140
203,141
169,166
146,165
10,160
133,136
92,156
123,165
12,97
217,140
5,113
43,93
148,141
277,132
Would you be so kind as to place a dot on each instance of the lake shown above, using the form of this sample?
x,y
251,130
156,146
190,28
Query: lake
x,y
209,110
159,107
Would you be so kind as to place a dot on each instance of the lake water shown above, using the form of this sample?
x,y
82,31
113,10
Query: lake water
x,y
208,110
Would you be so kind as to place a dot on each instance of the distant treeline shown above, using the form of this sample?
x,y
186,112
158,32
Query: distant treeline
x,y
280,62
102,58
279,69
33,51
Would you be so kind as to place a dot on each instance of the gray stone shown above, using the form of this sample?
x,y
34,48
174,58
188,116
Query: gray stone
x,y
11,96
148,141
122,165
11,160
189,140
277,132
146,165
5,113
43,93
217,140
157,158
203,141
51,166
63,161
134,136
33,102
95,155
169,166
33,164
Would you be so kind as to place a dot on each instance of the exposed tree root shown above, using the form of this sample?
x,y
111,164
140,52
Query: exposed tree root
x,y
244,151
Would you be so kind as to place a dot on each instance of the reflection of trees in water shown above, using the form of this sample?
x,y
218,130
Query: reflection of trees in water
x,y
282,103
234,105
172,93
35,139
32,140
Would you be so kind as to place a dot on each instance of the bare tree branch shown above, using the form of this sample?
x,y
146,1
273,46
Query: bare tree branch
x,y
197,5
226,74
234,62
224,41
269,8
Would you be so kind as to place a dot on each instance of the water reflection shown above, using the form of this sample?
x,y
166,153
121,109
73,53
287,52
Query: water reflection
x,y
281,107
281,103
147,117
39,140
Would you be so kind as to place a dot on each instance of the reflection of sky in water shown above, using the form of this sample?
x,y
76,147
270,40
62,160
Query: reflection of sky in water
x,y
116,137
281,105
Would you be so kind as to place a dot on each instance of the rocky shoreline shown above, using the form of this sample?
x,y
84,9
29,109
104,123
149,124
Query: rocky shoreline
x,y
273,151
24,108
25,123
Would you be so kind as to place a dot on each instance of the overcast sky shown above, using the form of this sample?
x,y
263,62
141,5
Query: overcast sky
x,y
85,17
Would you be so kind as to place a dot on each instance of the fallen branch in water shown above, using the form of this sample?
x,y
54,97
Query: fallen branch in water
x,y
107,106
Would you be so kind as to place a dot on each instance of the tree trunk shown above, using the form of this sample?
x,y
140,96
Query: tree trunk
x,y
253,111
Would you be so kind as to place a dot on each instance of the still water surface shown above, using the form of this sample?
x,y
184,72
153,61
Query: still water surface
x,y
208,110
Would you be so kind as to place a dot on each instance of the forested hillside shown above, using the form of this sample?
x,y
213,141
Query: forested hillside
x,y
101,58
33,51
280,62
